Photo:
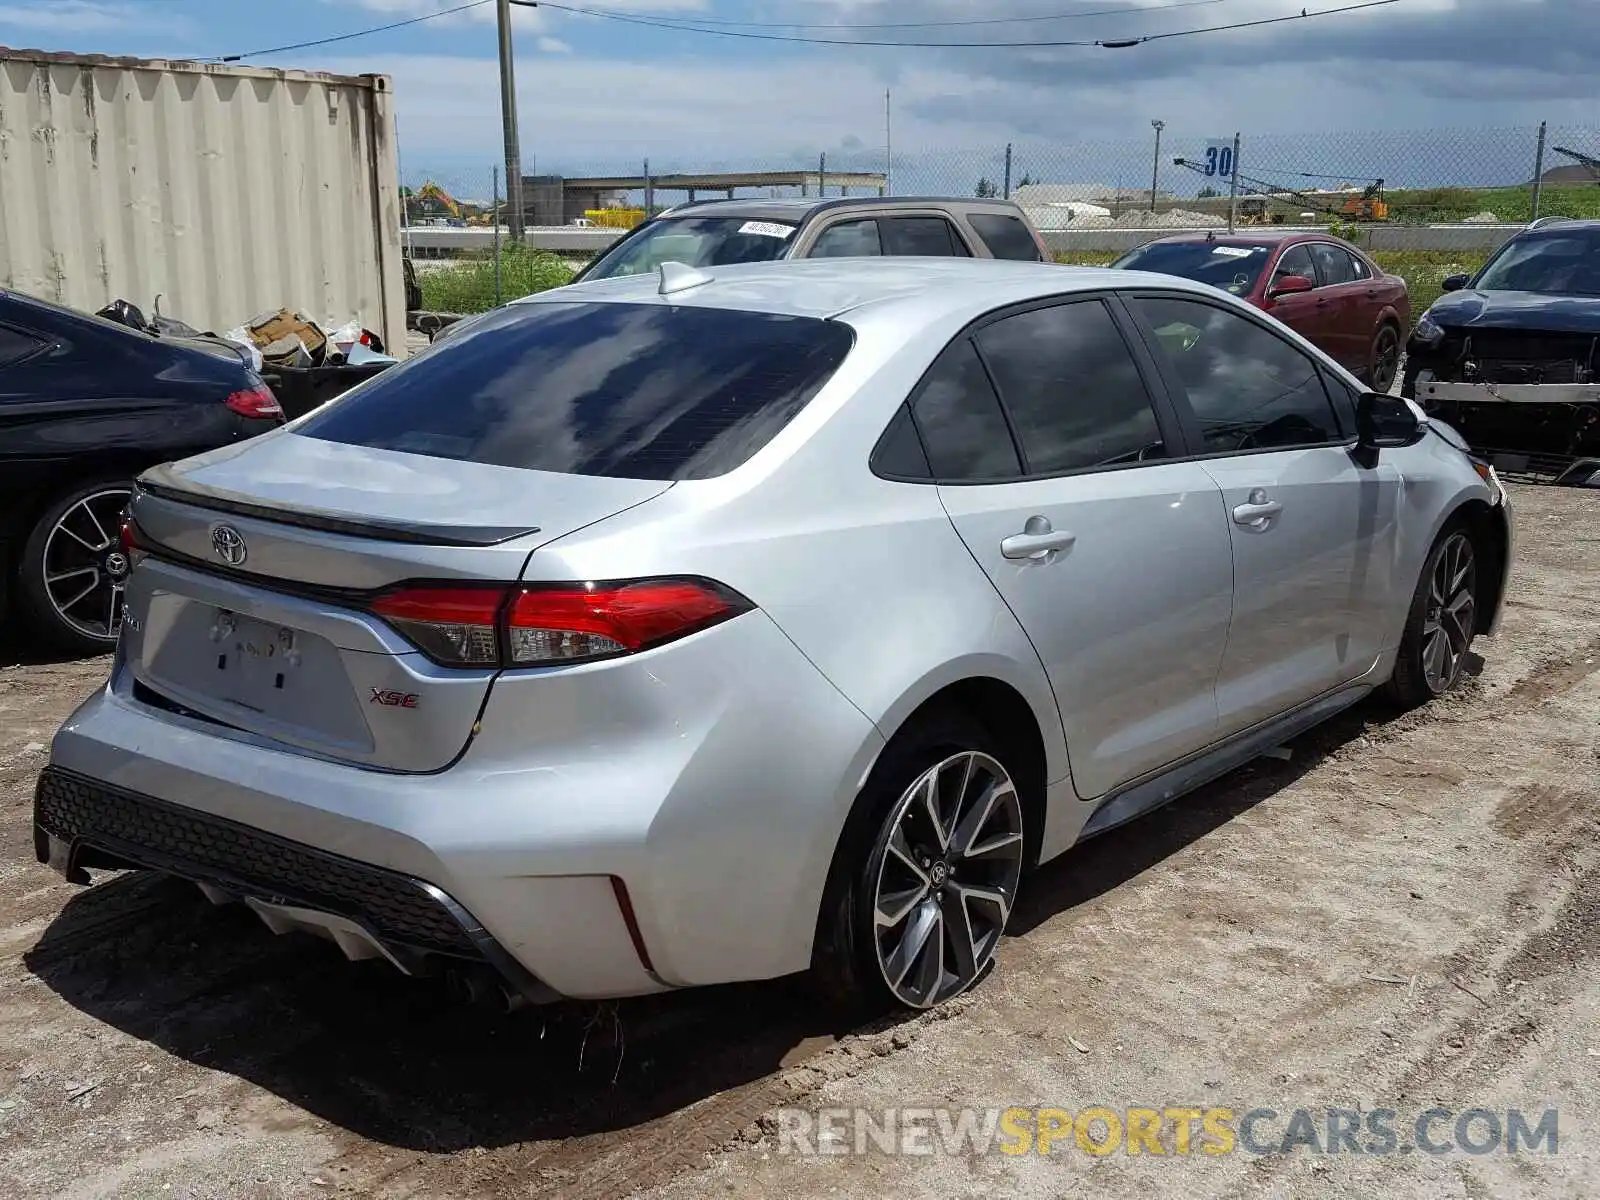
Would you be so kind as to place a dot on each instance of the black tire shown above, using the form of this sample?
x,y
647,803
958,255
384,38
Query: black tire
x,y
846,968
1383,358
72,632
1417,677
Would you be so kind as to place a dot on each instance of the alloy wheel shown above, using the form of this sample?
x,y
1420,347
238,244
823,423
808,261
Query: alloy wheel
x,y
85,569
1385,359
950,859
1448,623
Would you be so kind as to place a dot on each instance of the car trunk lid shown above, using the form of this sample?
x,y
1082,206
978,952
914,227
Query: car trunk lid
x,y
252,604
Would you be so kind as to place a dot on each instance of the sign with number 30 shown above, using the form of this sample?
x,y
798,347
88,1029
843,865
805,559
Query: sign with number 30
x,y
1219,159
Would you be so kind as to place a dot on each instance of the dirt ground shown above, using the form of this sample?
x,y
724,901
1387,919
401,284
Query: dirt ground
x,y
1404,913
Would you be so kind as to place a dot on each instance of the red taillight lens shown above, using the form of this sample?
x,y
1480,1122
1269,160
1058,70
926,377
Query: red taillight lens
x,y
257,403
546,625
453,625
128,537
555,624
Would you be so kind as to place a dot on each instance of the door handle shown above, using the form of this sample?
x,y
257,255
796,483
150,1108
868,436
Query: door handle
x,y
1037,541
1256,511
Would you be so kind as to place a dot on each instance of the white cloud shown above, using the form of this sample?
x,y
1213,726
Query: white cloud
x,y
552,45
80,16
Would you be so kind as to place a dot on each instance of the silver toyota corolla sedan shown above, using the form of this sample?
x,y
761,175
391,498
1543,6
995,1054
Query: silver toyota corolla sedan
x,y
690,628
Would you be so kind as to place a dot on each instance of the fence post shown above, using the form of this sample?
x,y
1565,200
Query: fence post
x,y
1233,187
822,175
1007,192
1538,174
649,192
495,209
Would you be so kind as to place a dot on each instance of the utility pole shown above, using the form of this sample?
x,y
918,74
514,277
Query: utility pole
x,y
888,148
1155,170
1006,192
508,120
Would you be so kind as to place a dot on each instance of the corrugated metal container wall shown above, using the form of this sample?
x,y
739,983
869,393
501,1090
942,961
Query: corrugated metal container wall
x,y
225,191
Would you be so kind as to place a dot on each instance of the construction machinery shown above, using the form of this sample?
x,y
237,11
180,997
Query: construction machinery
x,y
1255,195
1369,206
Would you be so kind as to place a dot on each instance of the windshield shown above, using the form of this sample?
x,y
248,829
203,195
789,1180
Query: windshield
x,y
1232,268
695,242
1565,264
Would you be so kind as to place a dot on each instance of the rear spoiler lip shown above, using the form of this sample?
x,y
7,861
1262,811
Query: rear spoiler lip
x,y
162,482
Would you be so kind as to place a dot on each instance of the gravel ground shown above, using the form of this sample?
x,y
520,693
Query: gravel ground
x,y
1402,914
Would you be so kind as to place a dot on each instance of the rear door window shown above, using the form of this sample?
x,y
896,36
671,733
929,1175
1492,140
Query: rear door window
x,y
929,237
848,239
1006,237
1333,264
1071,387
639,391
959,417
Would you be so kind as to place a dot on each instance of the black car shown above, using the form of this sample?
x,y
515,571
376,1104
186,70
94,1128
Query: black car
x,y
1511,355
85,405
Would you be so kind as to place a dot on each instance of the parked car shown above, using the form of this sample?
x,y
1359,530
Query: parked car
x,y
714,233
1511,355
1326,290
728,624
85,405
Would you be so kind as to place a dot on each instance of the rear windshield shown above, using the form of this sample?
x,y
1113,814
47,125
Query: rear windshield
x,y
639,391
695,242
1232,268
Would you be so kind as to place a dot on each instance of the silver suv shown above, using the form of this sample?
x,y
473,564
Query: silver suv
x,y
713,625
717,233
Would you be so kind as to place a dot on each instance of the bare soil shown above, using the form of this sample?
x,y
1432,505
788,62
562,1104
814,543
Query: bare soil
x,y
1221,952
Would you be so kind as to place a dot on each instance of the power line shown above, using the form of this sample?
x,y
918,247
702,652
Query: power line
x,y
1104,43
345,37
965,22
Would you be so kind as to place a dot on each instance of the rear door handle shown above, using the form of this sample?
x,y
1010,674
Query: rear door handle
x,y
1037,541
1257,512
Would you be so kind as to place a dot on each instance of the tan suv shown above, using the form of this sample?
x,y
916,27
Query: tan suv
x,y
719,232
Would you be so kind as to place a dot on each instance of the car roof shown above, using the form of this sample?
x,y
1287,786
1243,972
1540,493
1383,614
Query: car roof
x,y
830,287
1265,238
798,209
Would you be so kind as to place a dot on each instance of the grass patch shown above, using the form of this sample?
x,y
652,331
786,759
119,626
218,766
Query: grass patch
x,y
467,285
1423,270
1510,204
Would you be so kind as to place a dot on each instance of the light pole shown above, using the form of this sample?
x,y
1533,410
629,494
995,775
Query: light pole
x,y
508,120
1155,170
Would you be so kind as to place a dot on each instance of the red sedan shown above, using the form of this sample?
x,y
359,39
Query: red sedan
x,y
1326,290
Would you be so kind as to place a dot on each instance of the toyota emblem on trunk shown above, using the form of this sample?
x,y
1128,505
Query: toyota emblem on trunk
x,y
229,545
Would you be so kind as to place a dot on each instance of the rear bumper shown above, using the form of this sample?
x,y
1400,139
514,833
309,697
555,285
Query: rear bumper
x,y
711,777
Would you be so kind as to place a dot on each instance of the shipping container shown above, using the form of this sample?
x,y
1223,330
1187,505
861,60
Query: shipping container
x,y
212,192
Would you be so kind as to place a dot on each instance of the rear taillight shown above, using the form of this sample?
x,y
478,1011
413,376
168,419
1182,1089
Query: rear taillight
x,y
550,624
257,403
457,626
132,547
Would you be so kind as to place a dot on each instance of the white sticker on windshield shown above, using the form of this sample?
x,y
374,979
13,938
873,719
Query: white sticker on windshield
x,y
1232,251
767,229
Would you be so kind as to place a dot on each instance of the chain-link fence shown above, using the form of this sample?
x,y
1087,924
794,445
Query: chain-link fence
x,y
1418,191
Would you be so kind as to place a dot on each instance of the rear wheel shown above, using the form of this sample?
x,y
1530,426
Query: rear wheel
x,y
73,568
1383,364
927,877
1441,624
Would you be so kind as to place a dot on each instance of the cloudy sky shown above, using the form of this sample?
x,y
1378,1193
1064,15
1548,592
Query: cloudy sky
x,y
600,93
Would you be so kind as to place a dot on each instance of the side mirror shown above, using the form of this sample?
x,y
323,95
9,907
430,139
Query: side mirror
x,y
1290,285
1384,421
1454,283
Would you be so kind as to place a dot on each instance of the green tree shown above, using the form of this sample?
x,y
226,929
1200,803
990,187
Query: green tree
x,y
986,189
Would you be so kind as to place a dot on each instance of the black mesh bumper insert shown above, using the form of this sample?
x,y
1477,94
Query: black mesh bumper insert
x,y
168,837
